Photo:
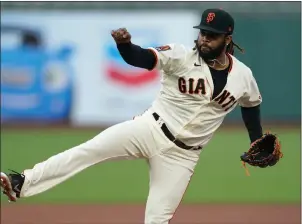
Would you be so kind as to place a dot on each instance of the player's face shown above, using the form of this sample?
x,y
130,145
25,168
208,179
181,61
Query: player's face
x,y
211,45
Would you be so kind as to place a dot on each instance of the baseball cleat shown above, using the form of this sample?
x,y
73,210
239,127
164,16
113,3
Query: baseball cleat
x,y
11,185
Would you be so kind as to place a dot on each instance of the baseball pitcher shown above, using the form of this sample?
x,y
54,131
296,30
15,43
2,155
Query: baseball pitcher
x,y
200,86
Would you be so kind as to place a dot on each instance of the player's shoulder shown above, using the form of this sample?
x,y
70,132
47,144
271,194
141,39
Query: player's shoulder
x,y
174,50
241,67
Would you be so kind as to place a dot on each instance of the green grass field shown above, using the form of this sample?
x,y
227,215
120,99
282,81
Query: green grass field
x,y
218,177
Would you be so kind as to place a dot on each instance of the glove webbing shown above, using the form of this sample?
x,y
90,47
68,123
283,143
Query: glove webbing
x,y
277,152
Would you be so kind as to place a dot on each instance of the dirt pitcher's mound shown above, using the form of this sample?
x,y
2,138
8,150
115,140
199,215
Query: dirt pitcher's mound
x,y
134,214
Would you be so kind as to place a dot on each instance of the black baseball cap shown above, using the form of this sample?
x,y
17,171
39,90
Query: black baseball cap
x,y
216,21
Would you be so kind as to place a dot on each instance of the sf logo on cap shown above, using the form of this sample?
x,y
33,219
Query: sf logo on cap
x,y
210,17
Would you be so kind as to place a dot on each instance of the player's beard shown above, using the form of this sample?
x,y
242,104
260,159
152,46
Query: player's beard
x,y
211,53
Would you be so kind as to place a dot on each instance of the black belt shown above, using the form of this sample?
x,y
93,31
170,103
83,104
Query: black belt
x,y
170,136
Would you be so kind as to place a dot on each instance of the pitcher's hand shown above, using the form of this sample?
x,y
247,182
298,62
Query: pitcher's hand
x,y
121,36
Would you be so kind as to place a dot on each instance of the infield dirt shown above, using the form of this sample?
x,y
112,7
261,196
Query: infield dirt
x,y
134,214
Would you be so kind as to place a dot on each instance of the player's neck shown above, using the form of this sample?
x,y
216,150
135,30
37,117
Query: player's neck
x,y
220,63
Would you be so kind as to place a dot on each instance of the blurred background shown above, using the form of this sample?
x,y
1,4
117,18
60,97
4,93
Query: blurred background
x,y
63,82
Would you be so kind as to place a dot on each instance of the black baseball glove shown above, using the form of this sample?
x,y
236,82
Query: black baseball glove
x,y
264,152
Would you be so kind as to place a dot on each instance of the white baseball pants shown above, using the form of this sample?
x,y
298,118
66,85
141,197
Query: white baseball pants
x,y
170,167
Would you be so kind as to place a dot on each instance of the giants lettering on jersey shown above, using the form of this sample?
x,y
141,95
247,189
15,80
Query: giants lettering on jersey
x,y
226,100
193,87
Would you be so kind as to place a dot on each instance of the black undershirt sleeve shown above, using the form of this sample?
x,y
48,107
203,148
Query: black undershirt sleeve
x,y
252,121
136,56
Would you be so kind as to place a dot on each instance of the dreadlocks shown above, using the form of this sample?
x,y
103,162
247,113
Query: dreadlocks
x,y
229,49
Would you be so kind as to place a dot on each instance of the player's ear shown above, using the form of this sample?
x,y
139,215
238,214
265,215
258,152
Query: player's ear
x,y
228,39
198,36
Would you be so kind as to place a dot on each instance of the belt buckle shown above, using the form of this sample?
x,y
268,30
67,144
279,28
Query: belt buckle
x,y
160,122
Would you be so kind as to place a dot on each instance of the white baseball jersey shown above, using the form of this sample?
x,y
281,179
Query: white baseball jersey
x,y
186,106
185,100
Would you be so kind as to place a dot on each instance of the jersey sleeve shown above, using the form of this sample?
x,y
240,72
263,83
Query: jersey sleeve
x,y
252,96
169,58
